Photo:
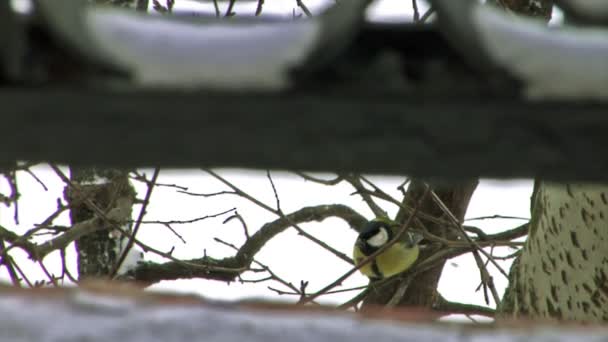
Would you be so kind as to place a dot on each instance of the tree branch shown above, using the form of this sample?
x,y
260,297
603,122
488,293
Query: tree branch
x,y
227,269
443,304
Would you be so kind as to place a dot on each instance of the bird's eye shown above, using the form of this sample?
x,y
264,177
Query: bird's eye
x,y
378,239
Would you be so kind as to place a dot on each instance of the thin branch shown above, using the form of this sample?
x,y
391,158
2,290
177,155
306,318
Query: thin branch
x,y
274,190
29,172
350,289
307,177
355,181
398,295
117,215
8,262
427,15
237,216
511,234
229,12
142,178
258,9
217,9
416,13
52,279
168,224
443,304
304,8
240,262
381,194
22,274
492,217
279,213
272,275
485,275
64,268
355,300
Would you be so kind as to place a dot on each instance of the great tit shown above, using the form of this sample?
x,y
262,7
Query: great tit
x,y
396,259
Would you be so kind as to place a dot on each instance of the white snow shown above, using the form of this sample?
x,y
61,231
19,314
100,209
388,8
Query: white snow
x,y
22,6
96,181
125,319
565,63
134,256
182,54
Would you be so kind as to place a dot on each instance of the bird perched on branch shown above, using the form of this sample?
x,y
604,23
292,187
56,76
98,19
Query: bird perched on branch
x,y
395,259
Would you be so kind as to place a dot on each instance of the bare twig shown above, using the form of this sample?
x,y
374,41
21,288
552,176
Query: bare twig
x,y
272,275
142,178
304,8
449,307
29,172
258,9
485,276
308,177
64,268
217,9
279,213
7,261
274,190
52,279
491,217
427,15
398,295
355,300
237,216
229,12
416,13
168,224
355,181
23,275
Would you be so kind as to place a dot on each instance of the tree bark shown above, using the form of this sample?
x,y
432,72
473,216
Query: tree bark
x,y
562,272
97,253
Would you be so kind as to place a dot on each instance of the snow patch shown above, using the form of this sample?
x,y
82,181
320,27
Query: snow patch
x,y
54,319
96,181
567,63
133,258
163,52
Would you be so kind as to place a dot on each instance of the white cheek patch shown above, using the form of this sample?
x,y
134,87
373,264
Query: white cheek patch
x,y
379,239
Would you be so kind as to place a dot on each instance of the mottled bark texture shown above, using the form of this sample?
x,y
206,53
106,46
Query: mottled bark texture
x,y
106,189
562,272
422,291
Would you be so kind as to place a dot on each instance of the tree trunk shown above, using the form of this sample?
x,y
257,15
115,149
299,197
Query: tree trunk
x,y
98,252
562,271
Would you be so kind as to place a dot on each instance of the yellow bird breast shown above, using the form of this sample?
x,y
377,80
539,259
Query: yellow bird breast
x,y
395,259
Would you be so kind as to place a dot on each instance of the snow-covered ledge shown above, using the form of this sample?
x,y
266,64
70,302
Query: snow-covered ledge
x,y
127,315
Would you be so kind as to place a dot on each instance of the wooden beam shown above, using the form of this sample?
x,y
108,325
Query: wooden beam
x,y
444,137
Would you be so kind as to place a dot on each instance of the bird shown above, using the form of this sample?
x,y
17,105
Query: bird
x,y
397,258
